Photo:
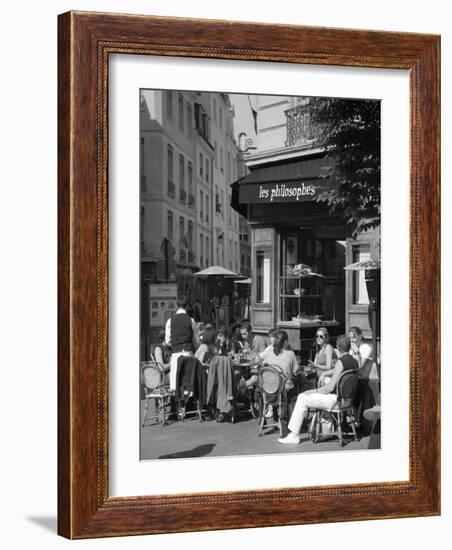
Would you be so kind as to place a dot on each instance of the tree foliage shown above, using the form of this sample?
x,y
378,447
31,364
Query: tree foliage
x,y
350,132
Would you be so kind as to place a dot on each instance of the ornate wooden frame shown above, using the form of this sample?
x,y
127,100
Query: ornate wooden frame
x,y
85,42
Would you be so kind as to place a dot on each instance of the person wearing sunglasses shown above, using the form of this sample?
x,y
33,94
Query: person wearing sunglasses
x,y
324,357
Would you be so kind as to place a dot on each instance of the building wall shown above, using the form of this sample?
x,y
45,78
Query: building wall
x,y
197,129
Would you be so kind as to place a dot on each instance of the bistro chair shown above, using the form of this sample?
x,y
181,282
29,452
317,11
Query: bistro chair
x,y
271,385
153,380
342,411
191,387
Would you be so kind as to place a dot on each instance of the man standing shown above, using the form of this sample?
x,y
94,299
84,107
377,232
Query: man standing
x,y
181,335
324,397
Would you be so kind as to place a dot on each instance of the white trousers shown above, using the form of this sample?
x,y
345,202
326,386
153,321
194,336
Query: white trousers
x,y
324,401
173,366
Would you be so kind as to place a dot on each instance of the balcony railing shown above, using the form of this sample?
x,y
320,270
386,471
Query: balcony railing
x,y
182,255
191,200
171,189
191,256
183,196
218,209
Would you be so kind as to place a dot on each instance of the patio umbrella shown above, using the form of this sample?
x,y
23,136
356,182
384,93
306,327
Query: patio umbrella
x,y
216,271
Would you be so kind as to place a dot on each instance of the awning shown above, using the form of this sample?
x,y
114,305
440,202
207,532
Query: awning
x,y
290,181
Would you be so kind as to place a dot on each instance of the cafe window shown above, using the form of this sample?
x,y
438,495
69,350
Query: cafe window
x,y
302,296
263,276
360,253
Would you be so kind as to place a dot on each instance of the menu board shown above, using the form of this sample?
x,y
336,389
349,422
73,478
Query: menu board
x,y
162,303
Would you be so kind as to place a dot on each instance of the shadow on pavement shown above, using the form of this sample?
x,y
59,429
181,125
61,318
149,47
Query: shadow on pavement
x,y
201,450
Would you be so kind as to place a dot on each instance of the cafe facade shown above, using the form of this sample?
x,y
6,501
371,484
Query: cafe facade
x,y
299,249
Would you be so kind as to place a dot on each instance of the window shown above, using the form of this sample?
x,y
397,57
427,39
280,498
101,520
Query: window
x,y
170,225
230,254
228,167
182,191
216,155
207,170
181,112
217,201
190,236
230,211
360,253
142,166
221,159
189,120
221,117
169,104
207,207
201,204
181,238
191,198
207,251
201,164
171,188
263,276
222,204
201,250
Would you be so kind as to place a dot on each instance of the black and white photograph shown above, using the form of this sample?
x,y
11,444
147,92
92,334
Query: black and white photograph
x,y
260,274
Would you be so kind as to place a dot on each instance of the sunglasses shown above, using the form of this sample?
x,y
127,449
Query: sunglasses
x,y
320,336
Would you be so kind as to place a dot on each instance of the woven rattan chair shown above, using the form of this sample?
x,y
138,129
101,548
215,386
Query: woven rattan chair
x,y
271,385
342,411
153,380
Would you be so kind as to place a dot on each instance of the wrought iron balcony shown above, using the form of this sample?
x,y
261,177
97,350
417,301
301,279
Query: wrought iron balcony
x,y
300,130
191,200
183,196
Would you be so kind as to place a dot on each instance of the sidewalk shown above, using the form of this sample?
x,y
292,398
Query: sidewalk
x,y
192,438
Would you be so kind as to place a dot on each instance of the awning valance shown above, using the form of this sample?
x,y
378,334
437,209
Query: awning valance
x,y
295,181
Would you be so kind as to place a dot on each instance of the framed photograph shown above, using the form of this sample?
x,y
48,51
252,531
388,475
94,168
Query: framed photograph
x,y
248,229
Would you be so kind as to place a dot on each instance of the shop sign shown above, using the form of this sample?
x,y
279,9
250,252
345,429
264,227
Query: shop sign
x,y
281,192
162,303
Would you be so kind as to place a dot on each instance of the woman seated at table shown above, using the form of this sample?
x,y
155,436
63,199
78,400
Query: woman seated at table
x,y
271,338
278,356
223,342
207,349
161,353
325,356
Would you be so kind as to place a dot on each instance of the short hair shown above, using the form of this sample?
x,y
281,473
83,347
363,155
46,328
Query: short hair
x,y
343,343
357,332
247,325
182,301
161,336
272,332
